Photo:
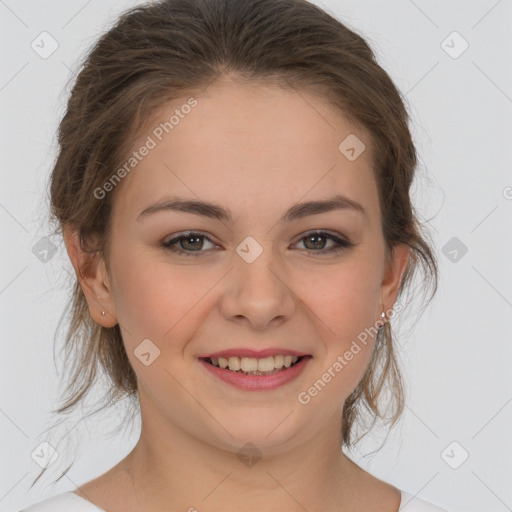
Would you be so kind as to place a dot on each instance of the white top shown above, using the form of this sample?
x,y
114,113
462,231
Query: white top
x,y
71,502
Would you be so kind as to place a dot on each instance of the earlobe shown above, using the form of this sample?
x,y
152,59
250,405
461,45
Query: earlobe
x,y
92,275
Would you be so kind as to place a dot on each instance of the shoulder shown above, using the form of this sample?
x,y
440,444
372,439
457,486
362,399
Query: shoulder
x,y
64,502
410,503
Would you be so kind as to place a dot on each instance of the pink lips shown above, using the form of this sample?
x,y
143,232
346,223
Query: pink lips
x,y
256,382
257,354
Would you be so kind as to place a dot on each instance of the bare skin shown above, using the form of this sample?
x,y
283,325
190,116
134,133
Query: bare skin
x,y
257,151
114,491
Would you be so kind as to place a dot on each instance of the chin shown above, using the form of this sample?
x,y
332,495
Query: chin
x,y
267,434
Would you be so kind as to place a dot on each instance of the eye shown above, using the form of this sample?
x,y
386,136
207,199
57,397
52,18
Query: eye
x,y
191,242
315,240
188,243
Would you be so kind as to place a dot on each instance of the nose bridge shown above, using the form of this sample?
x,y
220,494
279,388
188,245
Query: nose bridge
x,y
258,266
259,290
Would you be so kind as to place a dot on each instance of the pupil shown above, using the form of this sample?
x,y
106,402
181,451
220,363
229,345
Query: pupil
x,y
186,240
315,237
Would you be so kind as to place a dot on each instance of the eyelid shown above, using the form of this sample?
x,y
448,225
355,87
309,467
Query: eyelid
x,y
334,234
176,237
186,233
341,242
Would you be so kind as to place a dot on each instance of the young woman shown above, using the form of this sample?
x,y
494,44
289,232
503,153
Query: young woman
x,y
233,190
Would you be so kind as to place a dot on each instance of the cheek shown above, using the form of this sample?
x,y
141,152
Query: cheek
x,y
345,304
158,301
346,299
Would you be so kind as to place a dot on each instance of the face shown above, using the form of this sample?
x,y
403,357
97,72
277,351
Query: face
x,y
252,275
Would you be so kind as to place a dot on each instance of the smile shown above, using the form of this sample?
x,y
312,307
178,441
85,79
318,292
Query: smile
x,y
253,366
256,374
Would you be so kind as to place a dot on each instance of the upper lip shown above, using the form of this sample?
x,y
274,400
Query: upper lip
x,y
257,354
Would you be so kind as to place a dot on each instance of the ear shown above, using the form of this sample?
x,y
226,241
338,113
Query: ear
x,y
92,275
392,277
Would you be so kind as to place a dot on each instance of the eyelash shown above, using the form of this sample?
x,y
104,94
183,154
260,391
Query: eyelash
x,y
342,245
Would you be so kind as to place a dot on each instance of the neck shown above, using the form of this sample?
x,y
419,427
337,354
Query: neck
x,y
169,466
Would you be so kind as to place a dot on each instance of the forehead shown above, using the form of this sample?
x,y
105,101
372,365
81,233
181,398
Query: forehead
x,y
236,141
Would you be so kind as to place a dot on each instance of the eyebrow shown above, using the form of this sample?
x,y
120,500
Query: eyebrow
x,y
215,211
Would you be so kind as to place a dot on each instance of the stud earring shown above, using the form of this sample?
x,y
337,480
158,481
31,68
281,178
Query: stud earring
x,y
383,316
103,313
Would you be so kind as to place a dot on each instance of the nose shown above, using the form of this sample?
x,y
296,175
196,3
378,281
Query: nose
x,y
258,293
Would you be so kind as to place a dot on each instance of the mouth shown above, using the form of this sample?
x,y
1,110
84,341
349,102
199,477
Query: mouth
x,y
255,366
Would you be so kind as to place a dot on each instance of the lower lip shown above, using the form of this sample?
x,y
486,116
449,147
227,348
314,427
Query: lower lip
x,y
257,382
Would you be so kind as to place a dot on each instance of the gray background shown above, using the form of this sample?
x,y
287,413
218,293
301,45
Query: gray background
x,y
456,360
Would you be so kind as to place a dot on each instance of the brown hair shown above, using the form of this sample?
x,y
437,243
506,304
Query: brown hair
x,y
159,51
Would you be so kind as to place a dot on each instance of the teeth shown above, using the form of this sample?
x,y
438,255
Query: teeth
x,y
251,364
266,364
278,361
234,363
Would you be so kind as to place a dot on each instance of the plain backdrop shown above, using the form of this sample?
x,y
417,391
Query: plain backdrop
x,y
453,445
